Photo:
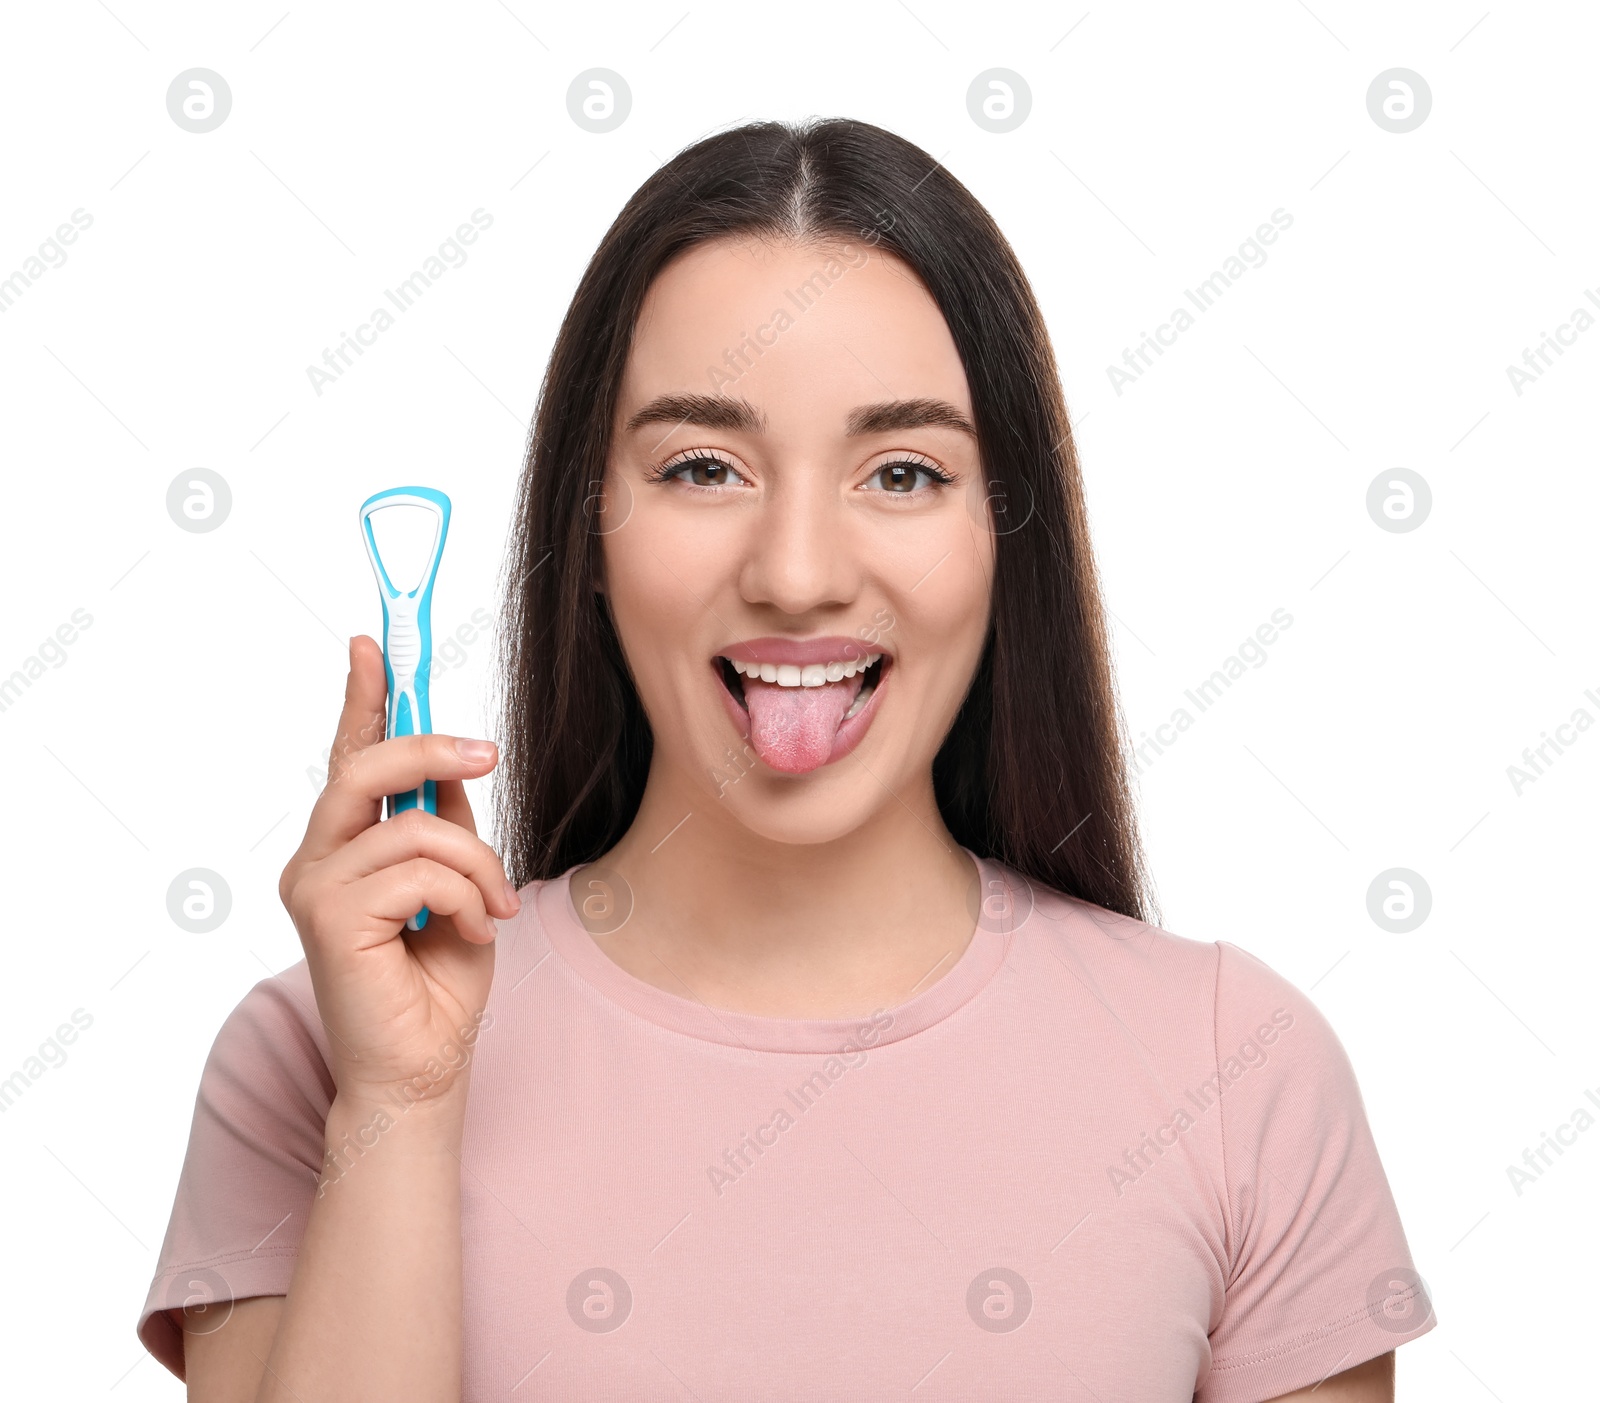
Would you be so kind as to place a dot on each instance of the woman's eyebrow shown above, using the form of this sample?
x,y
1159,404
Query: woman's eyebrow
x,y
726,412
908,414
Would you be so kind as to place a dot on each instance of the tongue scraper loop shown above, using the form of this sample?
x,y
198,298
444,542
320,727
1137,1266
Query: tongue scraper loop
x,y
408,639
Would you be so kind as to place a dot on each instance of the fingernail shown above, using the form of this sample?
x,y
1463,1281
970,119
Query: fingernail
x,y
512,897
475,750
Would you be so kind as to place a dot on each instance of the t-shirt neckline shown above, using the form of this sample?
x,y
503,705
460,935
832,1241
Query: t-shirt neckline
x,y
977,965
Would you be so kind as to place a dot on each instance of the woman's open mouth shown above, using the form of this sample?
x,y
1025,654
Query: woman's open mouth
x,y
802,703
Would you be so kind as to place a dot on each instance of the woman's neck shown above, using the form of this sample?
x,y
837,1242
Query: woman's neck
x,y
735,920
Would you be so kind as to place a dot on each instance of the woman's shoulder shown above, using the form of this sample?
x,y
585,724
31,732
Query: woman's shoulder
x,y
1109,944
279,1000
1146,968
274,1025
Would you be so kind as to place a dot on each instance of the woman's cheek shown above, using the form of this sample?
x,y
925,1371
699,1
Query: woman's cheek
x,y
949,584
651,561
660,579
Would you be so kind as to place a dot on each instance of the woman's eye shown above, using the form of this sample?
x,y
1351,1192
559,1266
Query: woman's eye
x,y
901,478
704,472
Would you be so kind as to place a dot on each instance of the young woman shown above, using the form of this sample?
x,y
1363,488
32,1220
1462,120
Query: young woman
x,y
818,1045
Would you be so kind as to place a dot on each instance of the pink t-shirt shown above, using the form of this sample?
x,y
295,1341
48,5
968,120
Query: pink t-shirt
x,y
1094,1160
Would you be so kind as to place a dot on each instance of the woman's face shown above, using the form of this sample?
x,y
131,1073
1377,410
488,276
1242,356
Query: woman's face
x,y
796,539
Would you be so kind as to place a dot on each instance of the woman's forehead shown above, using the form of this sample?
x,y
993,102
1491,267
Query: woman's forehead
x,y
776,322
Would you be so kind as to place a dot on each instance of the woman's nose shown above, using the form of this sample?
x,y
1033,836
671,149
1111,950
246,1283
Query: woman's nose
x,y
800,553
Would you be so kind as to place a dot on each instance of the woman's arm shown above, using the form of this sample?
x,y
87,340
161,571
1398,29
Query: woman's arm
x,y
374,1306
224,1366
373,1309
1372,1382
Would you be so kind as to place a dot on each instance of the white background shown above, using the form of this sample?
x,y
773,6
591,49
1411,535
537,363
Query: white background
x,y
1229,481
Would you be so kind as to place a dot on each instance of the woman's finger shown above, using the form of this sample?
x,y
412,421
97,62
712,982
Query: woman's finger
x,y
347,803
392,895
418,834
450,795
364,765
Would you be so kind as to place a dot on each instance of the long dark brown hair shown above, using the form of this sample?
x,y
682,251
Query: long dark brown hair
x,y
1032,772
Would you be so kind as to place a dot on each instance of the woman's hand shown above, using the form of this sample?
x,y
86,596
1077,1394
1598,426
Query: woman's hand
x,y
401,1007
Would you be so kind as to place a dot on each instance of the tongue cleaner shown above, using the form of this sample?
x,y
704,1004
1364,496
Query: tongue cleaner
x,y
414,522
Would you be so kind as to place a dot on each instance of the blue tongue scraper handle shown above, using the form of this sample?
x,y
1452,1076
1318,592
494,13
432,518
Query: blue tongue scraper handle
x,y
408,640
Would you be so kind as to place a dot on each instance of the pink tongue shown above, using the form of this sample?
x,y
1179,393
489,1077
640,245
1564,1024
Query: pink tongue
x,y
792,728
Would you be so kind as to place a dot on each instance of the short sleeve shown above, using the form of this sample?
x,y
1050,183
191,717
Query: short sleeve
x,y
254,1158
1319,1275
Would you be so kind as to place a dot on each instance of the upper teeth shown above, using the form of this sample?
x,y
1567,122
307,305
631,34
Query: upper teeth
x,y
813,675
